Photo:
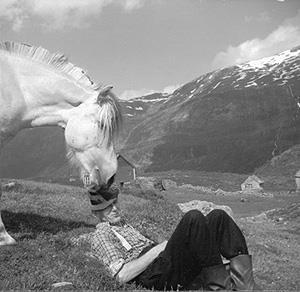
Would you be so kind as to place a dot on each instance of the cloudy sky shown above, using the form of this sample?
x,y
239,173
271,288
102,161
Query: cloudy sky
x,y
141,46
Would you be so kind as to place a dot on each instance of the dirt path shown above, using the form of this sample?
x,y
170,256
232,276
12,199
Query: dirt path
x,y
242,206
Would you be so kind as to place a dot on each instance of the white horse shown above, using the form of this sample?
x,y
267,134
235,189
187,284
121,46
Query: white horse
x,y
38,88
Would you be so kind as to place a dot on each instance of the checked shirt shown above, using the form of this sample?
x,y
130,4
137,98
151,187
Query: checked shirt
x,y
117,245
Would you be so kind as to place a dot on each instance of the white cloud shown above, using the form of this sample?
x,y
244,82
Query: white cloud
x,y
262,17
132,93
283,38
14,12
130,5
170,88
59,14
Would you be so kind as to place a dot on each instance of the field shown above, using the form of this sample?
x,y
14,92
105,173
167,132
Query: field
x,y
44,218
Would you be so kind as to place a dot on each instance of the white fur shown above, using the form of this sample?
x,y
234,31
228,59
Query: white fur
x,y
38,88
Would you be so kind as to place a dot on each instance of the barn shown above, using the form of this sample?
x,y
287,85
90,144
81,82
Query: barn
x,y
252,183
297,180
126,170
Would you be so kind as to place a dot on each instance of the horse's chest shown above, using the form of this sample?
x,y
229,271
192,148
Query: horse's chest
x,y
11,111
10,124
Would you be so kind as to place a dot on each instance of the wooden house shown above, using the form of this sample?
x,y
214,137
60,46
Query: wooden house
x,y
297,180
126,170
252,183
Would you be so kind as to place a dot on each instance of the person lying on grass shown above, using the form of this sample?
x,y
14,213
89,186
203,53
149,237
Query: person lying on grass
x,y
193,251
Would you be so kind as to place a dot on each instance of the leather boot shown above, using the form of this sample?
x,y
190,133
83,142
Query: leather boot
x,y
216,278
242,273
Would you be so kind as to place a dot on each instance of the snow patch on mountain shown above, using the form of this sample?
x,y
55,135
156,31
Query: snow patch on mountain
x,y
270,61
242,76
151,100
216,85
278,70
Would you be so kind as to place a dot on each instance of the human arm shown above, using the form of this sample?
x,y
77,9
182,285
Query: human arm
x,y
132,269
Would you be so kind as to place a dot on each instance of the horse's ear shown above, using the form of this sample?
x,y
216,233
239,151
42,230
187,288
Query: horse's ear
x,y
104,92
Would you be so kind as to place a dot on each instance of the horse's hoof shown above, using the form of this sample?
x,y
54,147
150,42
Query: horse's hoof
x,y
7,240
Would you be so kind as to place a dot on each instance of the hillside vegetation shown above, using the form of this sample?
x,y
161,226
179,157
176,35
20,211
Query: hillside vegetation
x,y
44,218
233,119
280,171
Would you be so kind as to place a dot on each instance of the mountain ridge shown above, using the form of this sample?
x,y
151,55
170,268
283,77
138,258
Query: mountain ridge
x,y
256,78
233,119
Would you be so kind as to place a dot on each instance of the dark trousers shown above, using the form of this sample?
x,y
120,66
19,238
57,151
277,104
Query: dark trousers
x,y
198,241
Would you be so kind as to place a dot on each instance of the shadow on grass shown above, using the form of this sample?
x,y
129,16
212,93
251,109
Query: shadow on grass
x,y
33,224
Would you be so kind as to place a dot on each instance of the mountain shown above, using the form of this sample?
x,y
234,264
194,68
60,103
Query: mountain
x,y
35,152
285,164
231,120
280,171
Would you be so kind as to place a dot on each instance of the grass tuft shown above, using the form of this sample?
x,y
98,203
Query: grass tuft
x,y
44,218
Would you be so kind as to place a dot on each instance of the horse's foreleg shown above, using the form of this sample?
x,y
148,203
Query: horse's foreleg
x,y
5,238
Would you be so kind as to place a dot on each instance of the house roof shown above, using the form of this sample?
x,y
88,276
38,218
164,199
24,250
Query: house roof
x,y
120,156
253,178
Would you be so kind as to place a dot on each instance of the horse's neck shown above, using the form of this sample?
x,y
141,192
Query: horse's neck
x,y
49,95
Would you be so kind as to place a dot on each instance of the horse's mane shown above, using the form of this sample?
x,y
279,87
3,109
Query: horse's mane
x,y
110,117
57,60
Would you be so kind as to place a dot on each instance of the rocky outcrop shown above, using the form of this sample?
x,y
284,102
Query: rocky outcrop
x,y
168,184
204,206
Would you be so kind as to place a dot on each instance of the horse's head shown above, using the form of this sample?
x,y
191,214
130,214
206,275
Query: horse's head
x,y
90,135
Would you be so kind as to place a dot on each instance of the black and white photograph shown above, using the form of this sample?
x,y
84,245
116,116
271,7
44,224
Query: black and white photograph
x,y
150,145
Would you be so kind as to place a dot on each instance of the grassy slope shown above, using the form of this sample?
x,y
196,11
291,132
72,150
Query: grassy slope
x,y
44,217
279,172
276,253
